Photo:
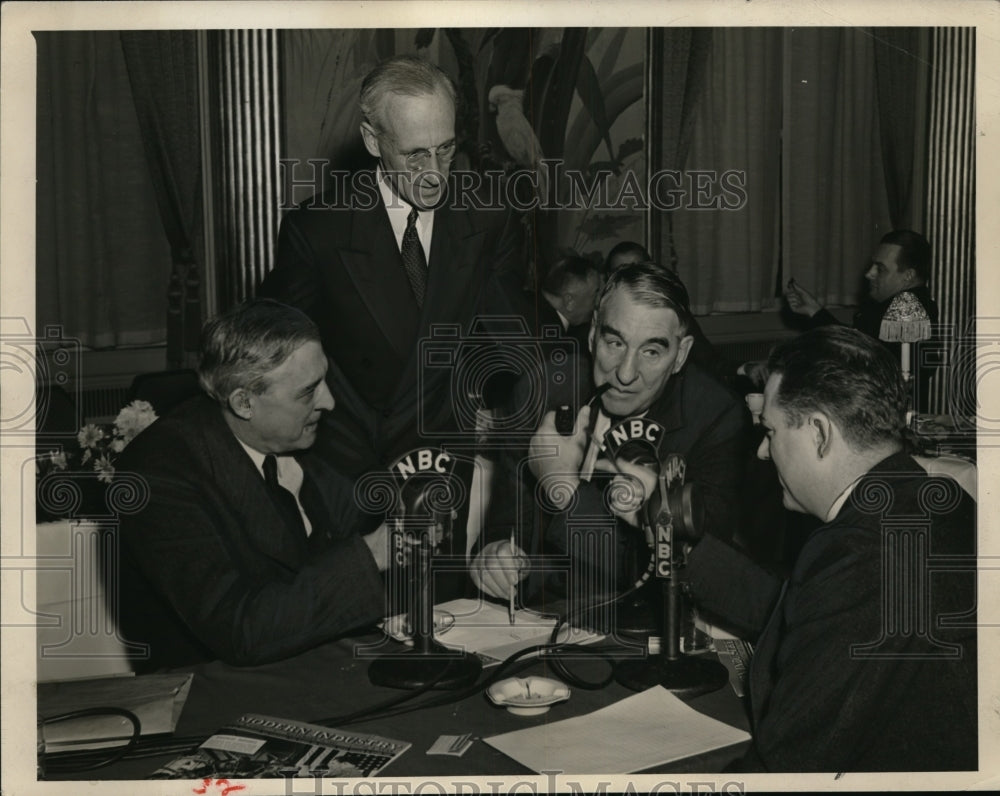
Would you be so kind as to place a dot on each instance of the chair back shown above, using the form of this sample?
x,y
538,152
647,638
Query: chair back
x,y
165,389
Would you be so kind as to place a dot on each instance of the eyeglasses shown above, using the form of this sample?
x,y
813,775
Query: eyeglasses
x,y
420,158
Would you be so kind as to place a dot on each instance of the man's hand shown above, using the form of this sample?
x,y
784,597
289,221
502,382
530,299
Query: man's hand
x,y
378,543
630,488
800,300
498,567
559,471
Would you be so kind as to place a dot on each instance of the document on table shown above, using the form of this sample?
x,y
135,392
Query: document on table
x,y
484,628
648,729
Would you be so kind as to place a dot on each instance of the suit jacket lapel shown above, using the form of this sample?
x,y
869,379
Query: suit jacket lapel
x,y
450,267
375,266
243,488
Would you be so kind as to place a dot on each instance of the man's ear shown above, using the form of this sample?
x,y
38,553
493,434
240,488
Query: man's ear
x,y
240,404
371,139
822,430
684,348
910,275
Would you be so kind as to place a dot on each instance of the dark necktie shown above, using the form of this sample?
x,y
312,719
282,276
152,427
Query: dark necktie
x,y
413,258
284,499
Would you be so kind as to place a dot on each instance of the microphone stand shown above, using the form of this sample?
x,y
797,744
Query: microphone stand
x,y
428,662
685,675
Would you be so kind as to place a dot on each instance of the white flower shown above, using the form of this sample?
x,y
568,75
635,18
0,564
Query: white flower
x,y
118,444
58,459
132,419
89,436
104,469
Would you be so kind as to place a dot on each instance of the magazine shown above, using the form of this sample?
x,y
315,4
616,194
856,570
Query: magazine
x,y
263,746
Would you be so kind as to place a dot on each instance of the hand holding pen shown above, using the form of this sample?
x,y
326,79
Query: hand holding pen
x,y
499,568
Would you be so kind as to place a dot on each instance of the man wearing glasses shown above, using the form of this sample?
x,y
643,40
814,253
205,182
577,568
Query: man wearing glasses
x,y
379,268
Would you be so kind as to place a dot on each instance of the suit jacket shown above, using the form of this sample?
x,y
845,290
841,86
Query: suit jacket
x,y
391,373
865,661
211,570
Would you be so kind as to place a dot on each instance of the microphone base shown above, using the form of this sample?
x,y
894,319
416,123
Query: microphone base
x,y
637,617
447,669
686,676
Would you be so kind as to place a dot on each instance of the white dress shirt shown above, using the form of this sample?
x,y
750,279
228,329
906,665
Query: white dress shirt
x,y
290,476
399,210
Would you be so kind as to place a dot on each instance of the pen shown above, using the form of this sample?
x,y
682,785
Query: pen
x,y
510,605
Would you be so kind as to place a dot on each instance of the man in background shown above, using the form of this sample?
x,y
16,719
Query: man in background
x,y
901,262
570,289
248,549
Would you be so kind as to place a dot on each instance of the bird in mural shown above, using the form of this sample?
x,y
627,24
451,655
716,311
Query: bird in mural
x,y
515,130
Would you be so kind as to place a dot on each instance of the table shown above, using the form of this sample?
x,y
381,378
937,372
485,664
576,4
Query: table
x,y
332,680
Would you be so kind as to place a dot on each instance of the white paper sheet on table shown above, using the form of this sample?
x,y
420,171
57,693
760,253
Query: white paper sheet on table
x,y
648,729
484,628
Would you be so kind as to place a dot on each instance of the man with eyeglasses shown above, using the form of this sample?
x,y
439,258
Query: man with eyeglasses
x,y
380,268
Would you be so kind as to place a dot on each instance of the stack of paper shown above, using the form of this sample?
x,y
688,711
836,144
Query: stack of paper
x,y
484,628
649,729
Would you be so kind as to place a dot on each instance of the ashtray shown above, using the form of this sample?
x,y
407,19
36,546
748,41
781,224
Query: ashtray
x,y
527,696
398,626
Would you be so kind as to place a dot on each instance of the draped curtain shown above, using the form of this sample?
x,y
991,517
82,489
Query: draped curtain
x,y
795,116
679,57
162,69
102,260
728,258
901,56
834,204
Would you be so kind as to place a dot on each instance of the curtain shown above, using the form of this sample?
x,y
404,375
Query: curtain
x,y
162,69
679,57
834,205
901,61
102,260
728,257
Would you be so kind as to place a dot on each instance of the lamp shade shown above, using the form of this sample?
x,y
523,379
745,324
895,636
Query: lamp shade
x,y
905,321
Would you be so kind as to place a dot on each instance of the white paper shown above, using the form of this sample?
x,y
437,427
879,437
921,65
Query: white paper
x,y
648,729
484,628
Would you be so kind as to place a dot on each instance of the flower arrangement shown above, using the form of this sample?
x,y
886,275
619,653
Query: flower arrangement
x,y
99,445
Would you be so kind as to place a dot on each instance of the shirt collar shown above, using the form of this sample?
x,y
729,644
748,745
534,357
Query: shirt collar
x,y
838,504
399,210
288,468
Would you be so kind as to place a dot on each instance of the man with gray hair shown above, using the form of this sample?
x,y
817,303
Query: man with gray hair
x,y
398,252
247,549
640,341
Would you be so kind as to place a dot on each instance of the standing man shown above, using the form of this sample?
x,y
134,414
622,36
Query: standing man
x,y
380,267
865,657
640,340
248,549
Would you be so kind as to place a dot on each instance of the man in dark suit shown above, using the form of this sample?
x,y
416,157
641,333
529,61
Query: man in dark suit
x,y
247,549
901,263
640,341
865,656
570,289
402,257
